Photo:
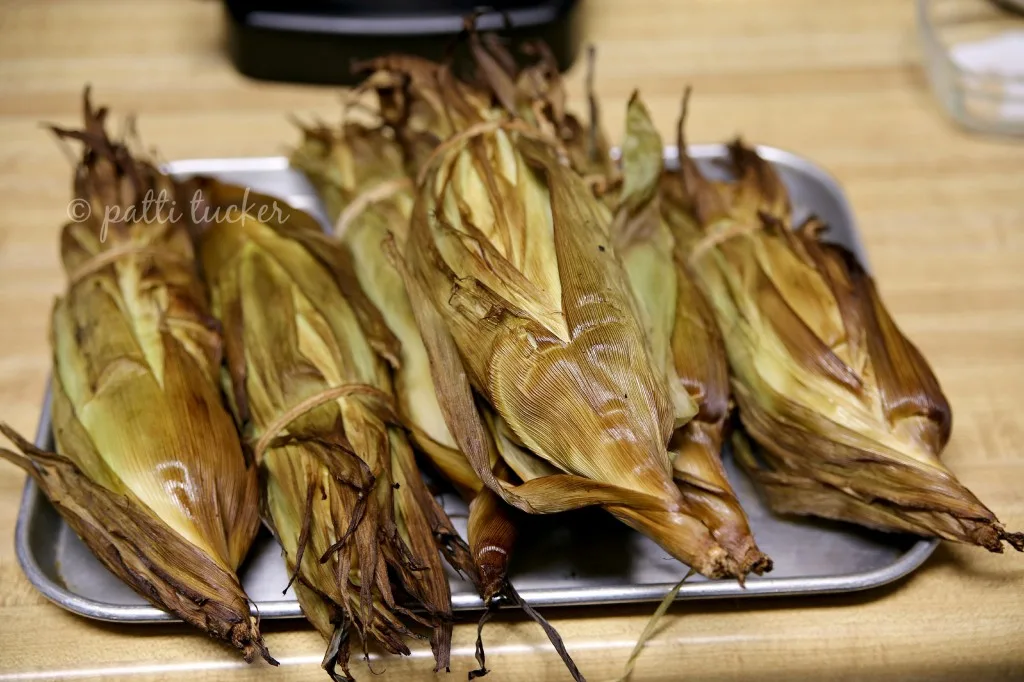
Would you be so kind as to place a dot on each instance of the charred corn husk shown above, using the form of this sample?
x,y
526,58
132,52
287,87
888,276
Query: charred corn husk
x,y
684,339
149,471
532,309
340,486
361,173
848,414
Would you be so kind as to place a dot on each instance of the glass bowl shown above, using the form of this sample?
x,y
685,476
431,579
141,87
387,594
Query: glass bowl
x,y
974,57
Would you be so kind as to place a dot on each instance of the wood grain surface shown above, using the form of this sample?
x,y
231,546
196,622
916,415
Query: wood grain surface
x,y
941,211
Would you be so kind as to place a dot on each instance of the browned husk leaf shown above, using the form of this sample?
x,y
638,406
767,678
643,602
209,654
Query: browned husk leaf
x,y
848,414
535,92
152,559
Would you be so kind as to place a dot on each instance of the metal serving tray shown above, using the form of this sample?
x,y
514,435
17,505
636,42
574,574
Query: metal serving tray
x,y
585,558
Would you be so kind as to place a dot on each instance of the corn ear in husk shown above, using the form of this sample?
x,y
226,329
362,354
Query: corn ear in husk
x,y
308,384
685,342
360,172
531,309
849,416
149,471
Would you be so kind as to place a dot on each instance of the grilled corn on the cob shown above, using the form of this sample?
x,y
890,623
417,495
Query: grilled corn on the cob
x,y
149,471
340,486
849,416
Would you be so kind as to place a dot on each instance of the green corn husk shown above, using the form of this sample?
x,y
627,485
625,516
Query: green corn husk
x,y
340,485
685,341
532,310
149,471
346,168
848,414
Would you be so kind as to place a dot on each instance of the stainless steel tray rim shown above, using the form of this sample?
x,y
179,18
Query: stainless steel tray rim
x,y
578,596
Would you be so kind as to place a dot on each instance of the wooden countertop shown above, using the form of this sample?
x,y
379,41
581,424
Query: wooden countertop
x,y
942,214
